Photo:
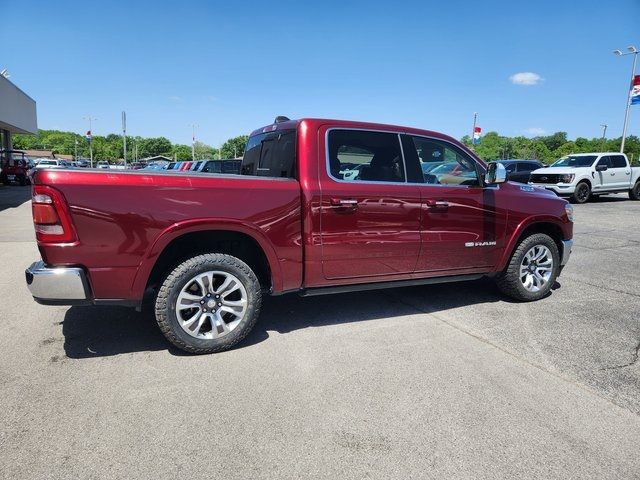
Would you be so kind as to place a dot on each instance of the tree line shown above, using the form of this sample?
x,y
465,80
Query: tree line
x,y
548,148
109,147
492,146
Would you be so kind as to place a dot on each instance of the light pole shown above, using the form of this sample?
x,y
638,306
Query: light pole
x,y
473,130
124,137
604,134
90,137
631,50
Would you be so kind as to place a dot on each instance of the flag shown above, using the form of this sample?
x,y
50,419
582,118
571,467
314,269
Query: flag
x,y
635,91
88,136
476,135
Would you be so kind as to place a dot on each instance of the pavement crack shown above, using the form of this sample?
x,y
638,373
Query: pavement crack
x,y
634,359
519,357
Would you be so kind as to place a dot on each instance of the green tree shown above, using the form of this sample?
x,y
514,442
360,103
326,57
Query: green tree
x,y
234,147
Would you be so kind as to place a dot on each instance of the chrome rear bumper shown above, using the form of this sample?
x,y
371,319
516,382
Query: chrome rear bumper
x,y
57,286
566,251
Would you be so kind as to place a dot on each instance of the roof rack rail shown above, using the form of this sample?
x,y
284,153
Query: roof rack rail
x,y
281,118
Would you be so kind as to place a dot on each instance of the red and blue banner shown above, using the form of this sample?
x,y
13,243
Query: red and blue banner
x,y
88,136
635,91
477,131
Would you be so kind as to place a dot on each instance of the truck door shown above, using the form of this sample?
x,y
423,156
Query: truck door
x,y
621,172
462,227
370,214
604,179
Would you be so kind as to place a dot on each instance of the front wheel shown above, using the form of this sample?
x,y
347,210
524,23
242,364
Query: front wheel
x,y
634,193
582,193
532,270
208,303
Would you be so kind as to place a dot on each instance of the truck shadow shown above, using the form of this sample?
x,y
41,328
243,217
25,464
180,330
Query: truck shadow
x,y
12,196
106,331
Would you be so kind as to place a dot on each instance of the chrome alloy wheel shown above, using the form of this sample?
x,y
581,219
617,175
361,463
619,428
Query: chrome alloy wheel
x,y
211,305
536,268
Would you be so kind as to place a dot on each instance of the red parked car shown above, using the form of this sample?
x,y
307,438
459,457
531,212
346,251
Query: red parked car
x,y
321,206
15,167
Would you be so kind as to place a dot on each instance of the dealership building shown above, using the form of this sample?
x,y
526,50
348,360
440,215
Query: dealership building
x,y
17,113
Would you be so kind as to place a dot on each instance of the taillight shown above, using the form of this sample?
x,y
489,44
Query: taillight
x,y
51,216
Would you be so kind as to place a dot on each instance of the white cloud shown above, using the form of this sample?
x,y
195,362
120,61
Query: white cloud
x,y
535,131
525,78
175,98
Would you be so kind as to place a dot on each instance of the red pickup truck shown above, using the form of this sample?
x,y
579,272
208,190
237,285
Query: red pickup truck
x,y
320,206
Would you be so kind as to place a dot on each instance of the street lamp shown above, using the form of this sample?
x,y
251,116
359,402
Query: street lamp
x,y
631,50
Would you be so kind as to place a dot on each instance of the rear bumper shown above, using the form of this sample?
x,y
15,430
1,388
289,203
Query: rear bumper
x,y
566,251
57,286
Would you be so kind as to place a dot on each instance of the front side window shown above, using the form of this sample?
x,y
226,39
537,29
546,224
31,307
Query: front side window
x,y
443,164
360,155
604,161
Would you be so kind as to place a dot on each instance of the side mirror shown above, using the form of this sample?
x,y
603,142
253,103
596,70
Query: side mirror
x,y
496,173
601,168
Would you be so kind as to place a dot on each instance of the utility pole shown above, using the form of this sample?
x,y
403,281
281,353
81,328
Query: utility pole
x,y
193,141
90,137
604,135
75,155
631,50
124,137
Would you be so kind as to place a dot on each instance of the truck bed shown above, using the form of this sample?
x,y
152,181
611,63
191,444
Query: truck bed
x,y
123,220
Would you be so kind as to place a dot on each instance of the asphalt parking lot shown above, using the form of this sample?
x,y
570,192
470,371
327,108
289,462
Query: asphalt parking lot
x,y
449,381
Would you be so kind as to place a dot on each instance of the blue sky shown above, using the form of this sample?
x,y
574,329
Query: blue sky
x,y
231,67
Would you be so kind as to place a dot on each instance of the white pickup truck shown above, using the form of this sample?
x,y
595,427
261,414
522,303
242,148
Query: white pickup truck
x,y
583,175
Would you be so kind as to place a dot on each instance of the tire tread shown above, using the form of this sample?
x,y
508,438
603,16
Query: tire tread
x,y
162,300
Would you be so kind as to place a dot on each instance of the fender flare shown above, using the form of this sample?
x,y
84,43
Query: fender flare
x,y
515,236
179,229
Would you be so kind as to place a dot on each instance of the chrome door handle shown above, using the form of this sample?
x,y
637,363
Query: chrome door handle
x,y
344,202
435,204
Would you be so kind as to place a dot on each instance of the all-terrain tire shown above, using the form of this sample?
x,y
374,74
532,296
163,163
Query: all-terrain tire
x,y
510,282
634,192
176,280
582,193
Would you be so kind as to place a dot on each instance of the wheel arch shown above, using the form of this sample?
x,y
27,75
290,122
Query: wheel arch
x,y
185,240
547,225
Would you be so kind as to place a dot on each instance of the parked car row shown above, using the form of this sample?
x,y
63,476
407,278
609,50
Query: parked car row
x,y
231,166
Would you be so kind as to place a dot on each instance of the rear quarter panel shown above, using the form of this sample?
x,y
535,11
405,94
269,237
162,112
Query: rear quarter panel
x,y
125,219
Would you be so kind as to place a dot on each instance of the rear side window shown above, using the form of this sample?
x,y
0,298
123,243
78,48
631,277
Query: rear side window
x,y
271,154
360,155
618,161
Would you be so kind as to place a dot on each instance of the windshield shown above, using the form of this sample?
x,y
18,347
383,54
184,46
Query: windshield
x,y
575,161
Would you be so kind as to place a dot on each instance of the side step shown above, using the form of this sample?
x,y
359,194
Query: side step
x,y
311,292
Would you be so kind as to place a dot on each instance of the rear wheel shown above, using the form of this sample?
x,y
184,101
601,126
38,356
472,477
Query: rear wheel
x,y
22,180
208,303
532,270
634,193
582,193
